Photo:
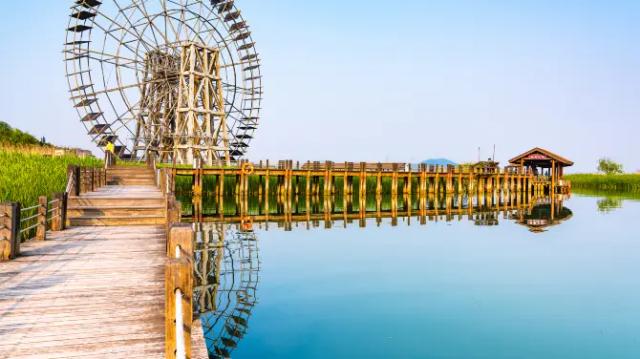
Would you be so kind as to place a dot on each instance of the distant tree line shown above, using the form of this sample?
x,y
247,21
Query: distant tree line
x,y
15,137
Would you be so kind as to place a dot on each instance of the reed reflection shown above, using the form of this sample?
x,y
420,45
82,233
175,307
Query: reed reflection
x,y
226,279
483,209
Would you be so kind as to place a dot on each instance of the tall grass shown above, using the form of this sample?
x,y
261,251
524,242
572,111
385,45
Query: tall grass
x,y
26,174
598,182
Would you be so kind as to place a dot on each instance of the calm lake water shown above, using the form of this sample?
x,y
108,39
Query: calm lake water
x,y
485,287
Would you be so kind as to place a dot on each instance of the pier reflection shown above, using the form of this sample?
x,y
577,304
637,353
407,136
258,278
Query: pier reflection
x,y
485,209
227,267
227,261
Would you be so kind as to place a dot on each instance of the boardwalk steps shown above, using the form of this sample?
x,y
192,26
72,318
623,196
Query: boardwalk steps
x,y
131,176
130,198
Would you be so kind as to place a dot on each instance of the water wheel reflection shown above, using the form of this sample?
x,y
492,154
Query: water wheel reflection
x,y
226,278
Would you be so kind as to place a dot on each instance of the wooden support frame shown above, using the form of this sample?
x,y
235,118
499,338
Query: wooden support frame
x,y
201,125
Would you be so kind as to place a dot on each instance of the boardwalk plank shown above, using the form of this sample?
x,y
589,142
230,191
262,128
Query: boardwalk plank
x,y
89,292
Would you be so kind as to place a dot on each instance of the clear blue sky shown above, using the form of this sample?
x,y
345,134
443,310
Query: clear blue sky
x,y
393,81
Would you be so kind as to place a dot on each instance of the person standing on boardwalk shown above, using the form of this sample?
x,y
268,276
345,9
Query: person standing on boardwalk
x,y
110,152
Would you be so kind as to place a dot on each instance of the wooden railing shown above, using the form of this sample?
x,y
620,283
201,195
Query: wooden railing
x,y
178,274
385,167
19,224
85,179
179,292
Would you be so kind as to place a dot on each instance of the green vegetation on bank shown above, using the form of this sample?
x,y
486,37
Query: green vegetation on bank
x,y
13,136
602,182
25,174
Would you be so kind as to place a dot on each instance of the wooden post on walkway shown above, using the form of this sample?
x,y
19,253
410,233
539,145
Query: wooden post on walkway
x,y
423,181
57,213
43,208
409,183
363,181
72,174
9,231
179,293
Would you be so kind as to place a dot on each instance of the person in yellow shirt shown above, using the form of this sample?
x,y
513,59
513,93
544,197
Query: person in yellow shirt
x,y
110,152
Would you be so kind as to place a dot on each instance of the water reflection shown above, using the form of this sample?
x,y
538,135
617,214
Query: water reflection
x,y
227,255
487,209
227,267
609,204
545,213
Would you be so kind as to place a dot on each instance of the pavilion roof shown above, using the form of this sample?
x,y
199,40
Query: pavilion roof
x,y
540,154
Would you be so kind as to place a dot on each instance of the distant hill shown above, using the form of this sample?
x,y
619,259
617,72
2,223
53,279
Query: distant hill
x,y
438,162
15,137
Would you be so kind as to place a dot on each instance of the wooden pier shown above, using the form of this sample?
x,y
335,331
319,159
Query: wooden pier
x,y
535,173
108,286
106,270
328,178
85,292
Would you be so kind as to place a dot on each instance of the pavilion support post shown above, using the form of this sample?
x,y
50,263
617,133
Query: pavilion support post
x,y
553,177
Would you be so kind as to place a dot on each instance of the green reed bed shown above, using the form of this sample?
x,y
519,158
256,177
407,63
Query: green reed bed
x,y
616,183
25,175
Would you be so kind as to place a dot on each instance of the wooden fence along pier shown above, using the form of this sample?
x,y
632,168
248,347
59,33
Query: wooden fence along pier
x,y
106,269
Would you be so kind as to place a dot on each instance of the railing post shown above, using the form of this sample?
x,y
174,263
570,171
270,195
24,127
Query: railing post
x,y
43,208
63,211
163,180
83,183
56,215
92,172
179,290
73,175
9,231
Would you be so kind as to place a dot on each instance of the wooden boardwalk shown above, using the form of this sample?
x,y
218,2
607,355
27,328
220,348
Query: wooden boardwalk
x,y
90,292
